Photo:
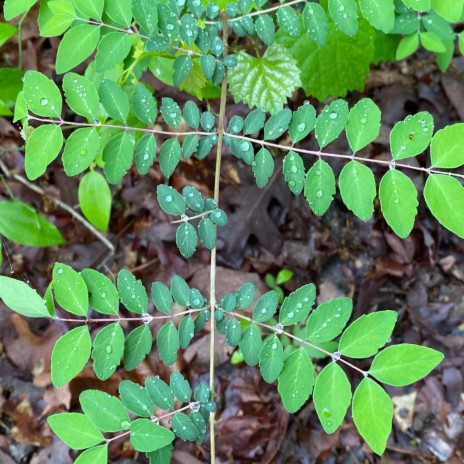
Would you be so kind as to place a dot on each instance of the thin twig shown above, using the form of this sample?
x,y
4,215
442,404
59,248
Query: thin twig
x,y
59,203
191,218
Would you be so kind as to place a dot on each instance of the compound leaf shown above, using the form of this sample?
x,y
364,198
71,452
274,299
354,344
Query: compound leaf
x,y
138,344
271,358
297,305
70,290
319,187
146,436
363,124
108,348
132,292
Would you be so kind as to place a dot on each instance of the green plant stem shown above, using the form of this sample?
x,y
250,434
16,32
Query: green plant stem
x,y
191,218
20,41
212,293
335,356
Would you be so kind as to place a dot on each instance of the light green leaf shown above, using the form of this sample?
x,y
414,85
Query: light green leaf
x,y
81,95
345,15
146,16
22,224
363,125
431,42
108,348
161,297
451,10
13,8
332,396
366,335
75,430
80,150
418,5
112,48
69,56
373,414
138,345
114,99
21,298
328,320
407,46
119,12
70,290
294,172
103,294
319,187
183,427
404,364
180,387
250,344
412,136
169,157
55,17
132,292
42,95
144,105
105,411
117,155
42,148
265,82
160,393
315,23
146,436
331,122
168,343
444,196
96,455
93,9
380,13
357,188
297,305
398,200
266,306
69,356
263,167
170,200
145,153
271,358
296,380
95,199
136,398
447,147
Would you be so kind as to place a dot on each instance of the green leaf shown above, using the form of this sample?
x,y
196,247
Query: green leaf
x,y
315,22
132,292
161,456
289,21
431,42
332,396
207,233
380,13
183,427
294,172
188,29
180,290
75,430
183,66
93,9
145,153
296,380
398,200
96,455
297,305
233,332
373,414
451,10
103,294
70,290
444,196
180,387
366,335
266,306
146,16
81,95
265,29
254,121
407,46
117,155
144,105
13,8
22,224
186,331
186,239
112,48
21,298
271,358
160,393
42,95
191,114
138,345
404,364
277,124
170,200
55,17
303,121
161,297
265,82
354,55
170,111
169,157
136,398
418,5
69,356
446,149
363,125
331,122
357,188
69,56
412,136
105,411
42,148
108,348
146,436
114,100
328,320
80,150
168,343
119,12
95,199
250,344
245,295
345,15
319,187
263,167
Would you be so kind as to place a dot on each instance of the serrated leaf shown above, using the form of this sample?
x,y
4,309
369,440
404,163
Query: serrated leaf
x,y
117,156
331,122
294,172
380,13
138,344
358,190
303,121
114,100
70,354
345,15
266,306
42,95
167,342
180,387
108,348
136,398
444,196
145,153
278,75
95,199
363,124
332,396
263,167
132,292
315,22
271,358
296,380
446,149
161,297
363,337
170,200
112,49
160,393
144,105
373,414
186,239
169,157
398,200
146,436
319,187
105,411
70,290
80,150
250,344
328,320
297,305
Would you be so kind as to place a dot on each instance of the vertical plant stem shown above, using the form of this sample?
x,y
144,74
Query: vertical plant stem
x,y
20,41
212,293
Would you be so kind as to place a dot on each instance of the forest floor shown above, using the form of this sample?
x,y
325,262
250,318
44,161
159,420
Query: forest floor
x,y
421,277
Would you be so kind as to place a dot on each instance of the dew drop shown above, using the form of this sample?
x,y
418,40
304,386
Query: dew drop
x,y
274,346
336,356
108,349
319,193
291,314
327,412
60,270
294,169
44,101
333,115
363,121
168,198
403,147
244,146
83,152
278,329
169,27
